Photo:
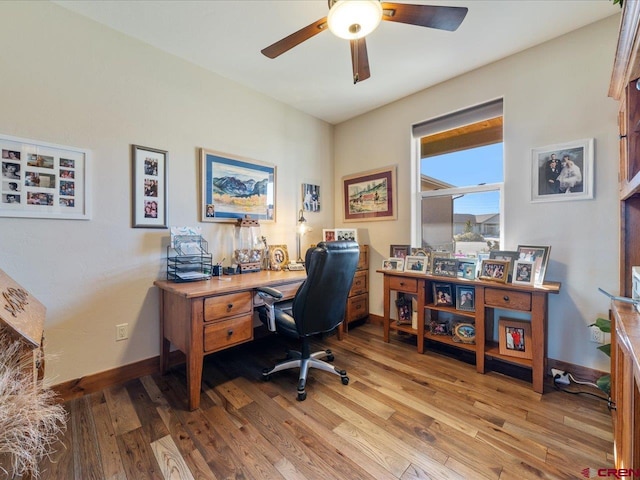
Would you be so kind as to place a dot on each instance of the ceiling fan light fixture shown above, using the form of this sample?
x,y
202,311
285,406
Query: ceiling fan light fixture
x,y
353,19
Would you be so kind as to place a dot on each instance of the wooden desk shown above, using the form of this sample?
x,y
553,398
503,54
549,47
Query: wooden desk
x,y
488,296
199,318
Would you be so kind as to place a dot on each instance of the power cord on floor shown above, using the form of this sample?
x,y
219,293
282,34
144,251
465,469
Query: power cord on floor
x,y
562,381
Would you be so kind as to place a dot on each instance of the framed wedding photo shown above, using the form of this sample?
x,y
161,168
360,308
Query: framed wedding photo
x,y
149,187
562,172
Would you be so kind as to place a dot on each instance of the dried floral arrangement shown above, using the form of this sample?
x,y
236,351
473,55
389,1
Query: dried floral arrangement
x,y
30,418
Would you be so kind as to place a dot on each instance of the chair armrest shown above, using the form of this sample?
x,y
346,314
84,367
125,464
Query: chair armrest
x,y
266,292
270,296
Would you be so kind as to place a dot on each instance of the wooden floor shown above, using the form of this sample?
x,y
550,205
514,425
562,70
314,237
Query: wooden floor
x,y
403,416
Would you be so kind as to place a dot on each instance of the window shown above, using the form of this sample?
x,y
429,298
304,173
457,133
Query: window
x,y
460,169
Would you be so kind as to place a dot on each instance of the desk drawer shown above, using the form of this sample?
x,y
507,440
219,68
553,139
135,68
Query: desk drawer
x,y
507,299
360,283
217,308
357,307
220,335
409,285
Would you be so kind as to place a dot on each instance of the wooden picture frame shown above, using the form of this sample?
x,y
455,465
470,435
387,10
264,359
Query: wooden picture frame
x,y
562,172
149,195
515,338
278,257
399,251
234,187
510,255
370,196
494,270
539,255
44,180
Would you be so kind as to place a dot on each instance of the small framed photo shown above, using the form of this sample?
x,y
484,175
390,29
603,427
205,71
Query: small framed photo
x,y
464,333
512,256
419,252
149,187
349,234
465,298
523,273
440,327
311,197
515,338
399,251
415,264
494,270
467,268
443,294
444,267
562,172
328,235
395,264
539,255
278,257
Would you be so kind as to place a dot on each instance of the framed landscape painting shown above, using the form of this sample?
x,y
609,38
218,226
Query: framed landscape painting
x,y
234,187
370,195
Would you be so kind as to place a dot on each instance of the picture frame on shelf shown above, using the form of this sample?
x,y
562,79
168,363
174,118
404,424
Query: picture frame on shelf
x,y
440,327
394,264
539,255
415,264
44,180
515,338
149,196
233,187
494,270
562,172
443,294
510,255
400,251
403,304
278,257
444,266
523,273
419,252
464,333
328,235
467,268
347,234
465,298
370,195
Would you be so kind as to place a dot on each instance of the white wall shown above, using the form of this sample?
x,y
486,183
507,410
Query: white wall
x,y
67,80
553,93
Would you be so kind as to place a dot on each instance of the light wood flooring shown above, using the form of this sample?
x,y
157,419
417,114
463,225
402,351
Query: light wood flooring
x,y
403,416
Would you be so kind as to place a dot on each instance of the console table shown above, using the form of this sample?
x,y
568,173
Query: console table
x,y
488,296
203,317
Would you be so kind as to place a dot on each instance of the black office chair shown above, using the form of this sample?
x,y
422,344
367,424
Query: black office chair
x,y
318,307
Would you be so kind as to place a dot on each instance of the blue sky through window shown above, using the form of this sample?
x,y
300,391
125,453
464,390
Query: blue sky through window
x,y
469,168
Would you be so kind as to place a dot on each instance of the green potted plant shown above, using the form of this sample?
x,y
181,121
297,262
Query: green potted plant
x,y
604,382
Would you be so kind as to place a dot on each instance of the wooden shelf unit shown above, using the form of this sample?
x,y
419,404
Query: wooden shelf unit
x,y
488,297
625,334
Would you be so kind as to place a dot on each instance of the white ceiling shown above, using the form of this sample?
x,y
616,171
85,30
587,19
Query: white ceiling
x,y
226,36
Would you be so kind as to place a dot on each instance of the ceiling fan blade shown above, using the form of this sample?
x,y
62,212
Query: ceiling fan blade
x,y
359,60
442,18
296,38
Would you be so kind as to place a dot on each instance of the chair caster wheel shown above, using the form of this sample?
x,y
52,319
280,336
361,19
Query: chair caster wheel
x,y
265,375
302,396
330,357
345,380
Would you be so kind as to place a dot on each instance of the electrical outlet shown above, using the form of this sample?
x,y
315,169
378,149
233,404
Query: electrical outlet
x,y
596,335
122,331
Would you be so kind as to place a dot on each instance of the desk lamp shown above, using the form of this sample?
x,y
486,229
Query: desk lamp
x,y
301,229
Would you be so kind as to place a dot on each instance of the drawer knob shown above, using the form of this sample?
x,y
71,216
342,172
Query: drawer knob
x,y
506,298
402,284
230,306
229,332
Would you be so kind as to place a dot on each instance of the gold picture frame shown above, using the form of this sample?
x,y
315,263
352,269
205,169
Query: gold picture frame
x,y
278,257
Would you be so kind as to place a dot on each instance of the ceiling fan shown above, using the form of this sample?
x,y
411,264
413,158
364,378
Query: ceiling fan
x,y
353,20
